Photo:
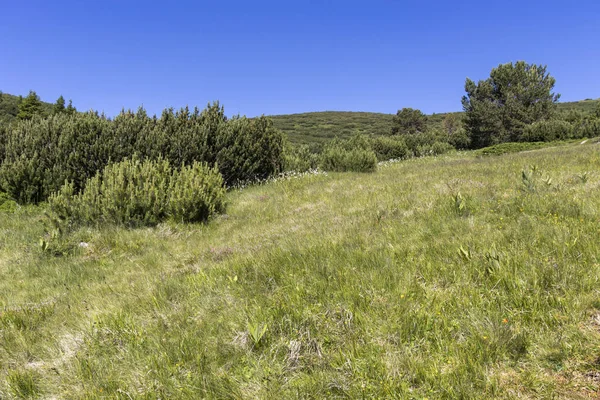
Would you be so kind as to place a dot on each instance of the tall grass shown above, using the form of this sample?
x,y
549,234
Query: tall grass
x,y
431,278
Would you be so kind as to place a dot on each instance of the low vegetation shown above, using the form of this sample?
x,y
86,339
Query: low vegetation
x,y
136,193
446,277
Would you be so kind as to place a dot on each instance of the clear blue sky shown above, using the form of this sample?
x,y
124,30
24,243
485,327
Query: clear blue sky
x,y
278,57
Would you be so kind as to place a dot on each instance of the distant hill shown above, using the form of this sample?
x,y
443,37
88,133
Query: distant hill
x,y
322,126
9,107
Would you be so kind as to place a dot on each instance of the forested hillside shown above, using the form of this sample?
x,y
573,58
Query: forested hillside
x,y
9,106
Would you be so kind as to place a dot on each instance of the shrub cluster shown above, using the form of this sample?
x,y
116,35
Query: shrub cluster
x,y
354,154
300,158
547,131
339,159
361,153
556,129
390,148
6,203
40,154
138,193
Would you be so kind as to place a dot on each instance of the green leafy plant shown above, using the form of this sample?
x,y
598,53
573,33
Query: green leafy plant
x,y
583,177
528,181
459,204
465,254
299,158
547,131
257,333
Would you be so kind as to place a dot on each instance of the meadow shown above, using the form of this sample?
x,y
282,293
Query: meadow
x,y
457,276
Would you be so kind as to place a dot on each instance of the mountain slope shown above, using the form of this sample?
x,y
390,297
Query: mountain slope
x,y
451,277
312,127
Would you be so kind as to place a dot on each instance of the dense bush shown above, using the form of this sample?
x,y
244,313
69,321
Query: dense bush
x,y
137,193
570,128
459,139
390,148
547,131
419,140
42,153
587,129
39,155
431,143
361,153
248,149
195,193
299,158
3,136
340,156
434,149
6,203
409,121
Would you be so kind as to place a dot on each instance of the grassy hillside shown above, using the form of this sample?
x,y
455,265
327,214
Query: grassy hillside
x,y
451,277
585,106
322,126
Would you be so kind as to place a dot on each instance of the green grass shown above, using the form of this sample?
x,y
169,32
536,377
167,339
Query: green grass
x,y
449,277
515,147
319,127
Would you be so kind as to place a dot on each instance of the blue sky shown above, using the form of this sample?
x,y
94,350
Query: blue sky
x,y
278,57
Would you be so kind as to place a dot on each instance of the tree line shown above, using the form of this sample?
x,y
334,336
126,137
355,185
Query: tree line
x,y
38,155
25,108
515,104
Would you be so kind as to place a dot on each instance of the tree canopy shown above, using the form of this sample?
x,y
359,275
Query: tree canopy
x,y
59,106
409,121
30,106
499,108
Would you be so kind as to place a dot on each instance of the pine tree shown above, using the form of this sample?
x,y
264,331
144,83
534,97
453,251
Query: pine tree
x,y
59,106
30,106
499,108
70,109
451,124
409,121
